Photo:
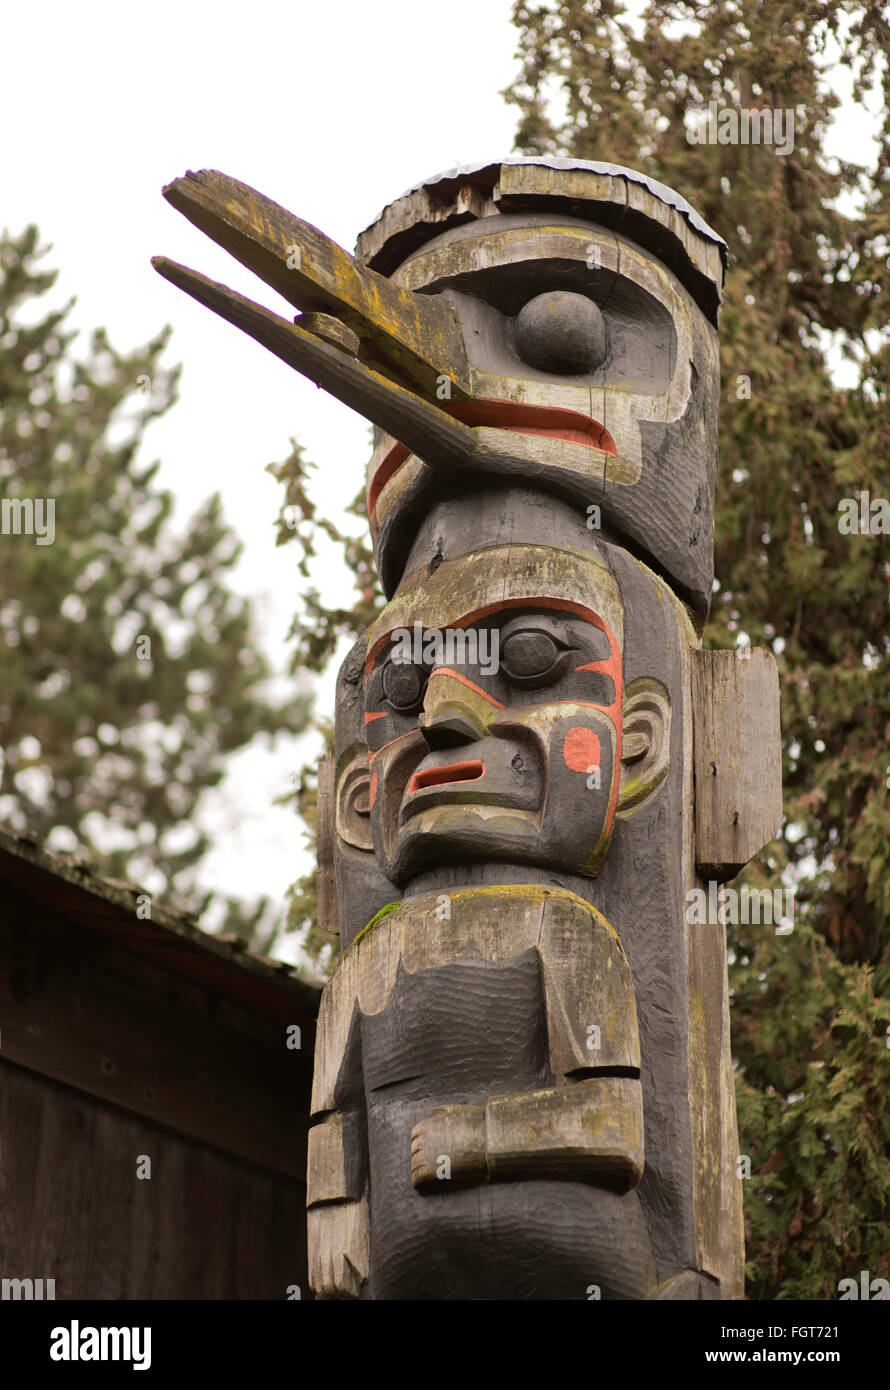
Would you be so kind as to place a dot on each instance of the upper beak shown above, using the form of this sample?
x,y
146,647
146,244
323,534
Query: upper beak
x,y
382,350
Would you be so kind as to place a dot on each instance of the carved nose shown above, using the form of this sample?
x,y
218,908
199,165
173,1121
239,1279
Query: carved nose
x,y
449,728
454,711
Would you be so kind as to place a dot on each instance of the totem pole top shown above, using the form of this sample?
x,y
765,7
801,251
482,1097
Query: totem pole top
x,y
546,324
649,213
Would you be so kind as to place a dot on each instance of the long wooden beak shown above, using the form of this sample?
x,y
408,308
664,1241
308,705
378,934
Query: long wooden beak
x,y
415,339
417,423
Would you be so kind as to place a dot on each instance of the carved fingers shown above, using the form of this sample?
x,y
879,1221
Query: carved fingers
x,y
448,1147
339,1248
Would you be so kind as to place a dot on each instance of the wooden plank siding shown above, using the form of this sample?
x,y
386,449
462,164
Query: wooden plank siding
x,y
204,1226
122,1039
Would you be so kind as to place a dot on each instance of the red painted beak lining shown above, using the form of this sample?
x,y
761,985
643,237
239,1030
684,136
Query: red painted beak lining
x,y
452,772
552,421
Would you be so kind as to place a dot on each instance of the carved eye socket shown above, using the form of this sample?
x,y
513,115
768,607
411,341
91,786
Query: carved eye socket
x,y
561,332
404,686
531,658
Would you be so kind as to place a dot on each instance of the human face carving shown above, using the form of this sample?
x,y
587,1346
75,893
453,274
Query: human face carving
x,y
514,764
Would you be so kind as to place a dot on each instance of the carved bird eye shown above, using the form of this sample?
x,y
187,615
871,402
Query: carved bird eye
x,y
531,658
561,332
404,686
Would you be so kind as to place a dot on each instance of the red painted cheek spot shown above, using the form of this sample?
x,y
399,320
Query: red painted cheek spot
x,y
373,793
581,750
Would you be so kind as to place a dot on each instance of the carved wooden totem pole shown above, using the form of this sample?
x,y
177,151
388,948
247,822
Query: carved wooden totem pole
x,y
523,1083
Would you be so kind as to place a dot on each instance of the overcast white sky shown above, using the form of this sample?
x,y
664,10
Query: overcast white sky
x,y
330,109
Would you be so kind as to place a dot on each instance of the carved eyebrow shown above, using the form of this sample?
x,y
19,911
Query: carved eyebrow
x,y
553,626
501,289
564,630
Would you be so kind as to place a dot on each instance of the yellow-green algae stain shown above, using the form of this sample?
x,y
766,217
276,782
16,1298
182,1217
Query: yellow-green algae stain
x,y
531,892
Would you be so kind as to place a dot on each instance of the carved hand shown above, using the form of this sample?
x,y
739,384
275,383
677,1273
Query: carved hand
x,y
589,1131
339,1248
448,1148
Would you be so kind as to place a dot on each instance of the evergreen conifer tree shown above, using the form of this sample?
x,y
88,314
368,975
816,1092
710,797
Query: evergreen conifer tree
x,y
129,668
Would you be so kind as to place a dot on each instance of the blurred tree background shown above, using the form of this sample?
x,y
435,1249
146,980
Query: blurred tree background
x,y
130,668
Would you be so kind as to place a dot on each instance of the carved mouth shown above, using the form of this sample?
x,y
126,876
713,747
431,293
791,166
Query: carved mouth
x,y
555,422
442,776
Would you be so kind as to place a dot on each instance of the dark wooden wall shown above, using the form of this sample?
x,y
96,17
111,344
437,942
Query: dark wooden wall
x,y
205,1225
122,1037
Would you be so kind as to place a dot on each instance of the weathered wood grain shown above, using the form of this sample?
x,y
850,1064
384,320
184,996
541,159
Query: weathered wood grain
x,y
325,876
414,420
611,200
418,336
738,758
80,1011
205,1225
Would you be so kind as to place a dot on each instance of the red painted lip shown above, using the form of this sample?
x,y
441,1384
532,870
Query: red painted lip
x,y
452,772
552,421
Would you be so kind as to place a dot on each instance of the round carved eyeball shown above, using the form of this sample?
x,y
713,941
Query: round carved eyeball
x,y
561,332
404,685
532,658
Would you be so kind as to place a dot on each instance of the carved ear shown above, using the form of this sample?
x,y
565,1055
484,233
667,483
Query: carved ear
x,y
645,743
353,802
